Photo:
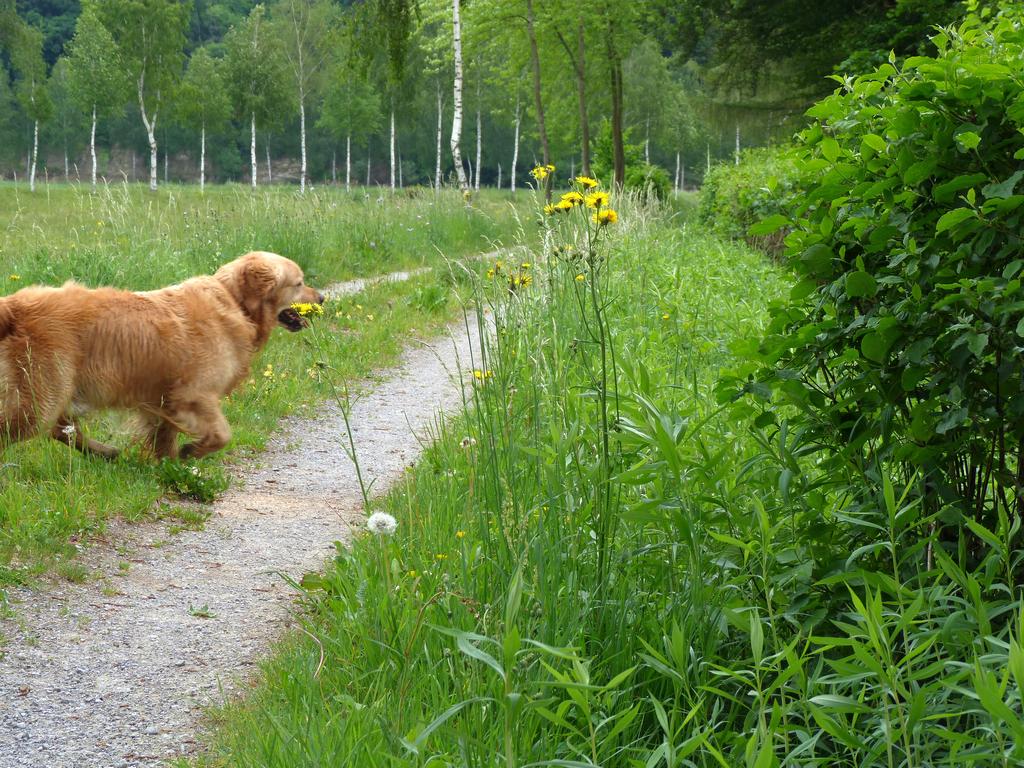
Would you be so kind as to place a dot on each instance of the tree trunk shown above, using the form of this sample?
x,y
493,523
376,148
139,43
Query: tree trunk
x,y
302,131
538,103
92,146
150,125
479,131
579,65
457,117
252,148
270,168
334,167
202,158
35,156
166,161
647,142
709,156
515,143
348,162
67,166
499,175
368,162
677,174
737,143
391,177
615,72
440,129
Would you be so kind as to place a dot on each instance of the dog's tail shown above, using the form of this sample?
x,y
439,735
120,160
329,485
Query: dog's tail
x,y
6,319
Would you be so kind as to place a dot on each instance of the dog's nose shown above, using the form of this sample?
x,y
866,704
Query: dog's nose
x,y
320,298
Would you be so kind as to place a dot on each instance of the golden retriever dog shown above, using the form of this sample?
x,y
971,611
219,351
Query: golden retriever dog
x,y
170,354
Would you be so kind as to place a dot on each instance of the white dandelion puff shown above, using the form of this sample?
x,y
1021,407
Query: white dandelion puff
x,y
468,442
69,430
381,523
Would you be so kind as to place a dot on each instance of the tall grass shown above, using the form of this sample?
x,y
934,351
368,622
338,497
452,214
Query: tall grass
x,y
124,236
487,631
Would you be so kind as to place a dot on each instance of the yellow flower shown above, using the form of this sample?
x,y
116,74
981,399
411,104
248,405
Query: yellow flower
x,y
573,197
525,265
563,205
483,375
540,173
665,316
597,199
307,310
549,168
580,278
411,574
586,182
369,317
14,278
268,372
499,264
490,274
460,534
607,216
549,209
440,556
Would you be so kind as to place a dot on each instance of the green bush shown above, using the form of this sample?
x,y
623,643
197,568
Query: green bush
x,y
649,180
902,343
733,197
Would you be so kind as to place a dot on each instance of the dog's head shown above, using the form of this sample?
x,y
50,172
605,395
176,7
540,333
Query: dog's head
x,y
266,286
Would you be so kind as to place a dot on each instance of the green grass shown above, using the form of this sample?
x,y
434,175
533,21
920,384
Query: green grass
x,y
50,497
669,601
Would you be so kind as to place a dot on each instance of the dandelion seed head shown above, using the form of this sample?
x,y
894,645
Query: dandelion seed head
x,y
381,523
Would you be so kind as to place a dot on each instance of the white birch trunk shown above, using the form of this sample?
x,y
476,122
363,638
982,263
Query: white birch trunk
x,y
647,142
150,125
252,149
202,158
515,145
737,143
348,162
709,157
499,175
368,157
677,174
67,166
92,146
35,156
270,168
440,129
479,144
302,130
457,117
391,177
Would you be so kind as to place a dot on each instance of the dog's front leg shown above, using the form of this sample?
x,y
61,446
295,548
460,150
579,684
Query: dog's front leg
x,y
165,440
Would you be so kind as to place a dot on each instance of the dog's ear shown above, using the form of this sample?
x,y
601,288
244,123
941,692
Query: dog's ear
x,y
258,278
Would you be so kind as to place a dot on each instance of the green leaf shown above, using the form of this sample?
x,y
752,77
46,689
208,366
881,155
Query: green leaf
x,y
968,139
950,219
874,346
768,225
829,148
861,284
1004,188
874,141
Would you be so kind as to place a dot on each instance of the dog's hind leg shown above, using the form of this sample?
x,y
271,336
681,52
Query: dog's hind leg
x,y
68,432
204,420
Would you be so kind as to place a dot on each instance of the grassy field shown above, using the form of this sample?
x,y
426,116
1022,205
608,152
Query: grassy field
x,y
123,235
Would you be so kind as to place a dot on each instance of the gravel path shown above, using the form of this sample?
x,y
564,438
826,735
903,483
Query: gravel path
x,y
117,671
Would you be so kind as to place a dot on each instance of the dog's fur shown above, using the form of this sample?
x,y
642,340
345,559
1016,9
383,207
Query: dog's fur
x,y
170,354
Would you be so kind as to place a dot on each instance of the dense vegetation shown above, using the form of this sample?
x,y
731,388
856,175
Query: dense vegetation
x,y
686,76
676,527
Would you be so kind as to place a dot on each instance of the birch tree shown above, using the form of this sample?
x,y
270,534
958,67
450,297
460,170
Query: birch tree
x,y
67,115
305,29
256,76
351,109
456,139
30,86
150,35
203,101
97,74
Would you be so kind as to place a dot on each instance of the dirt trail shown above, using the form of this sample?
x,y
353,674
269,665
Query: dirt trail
x,y
116,672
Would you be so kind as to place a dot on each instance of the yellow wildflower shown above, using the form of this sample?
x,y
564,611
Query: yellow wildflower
x,y
549,168
586,182
369,317
525,265
549,209
563,205
597,199
665,316
541,172
14,278
460,534
411,574
607,216
307,310
580,278
440,556
573,197
268,372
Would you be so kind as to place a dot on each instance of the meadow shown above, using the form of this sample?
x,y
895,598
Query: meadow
x,y
52,499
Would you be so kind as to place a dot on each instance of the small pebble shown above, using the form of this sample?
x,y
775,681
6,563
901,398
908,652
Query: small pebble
x,y
152,731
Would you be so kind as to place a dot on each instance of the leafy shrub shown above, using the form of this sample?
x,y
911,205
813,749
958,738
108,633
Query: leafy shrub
x,y
902,342
432,297
734,197
649,180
